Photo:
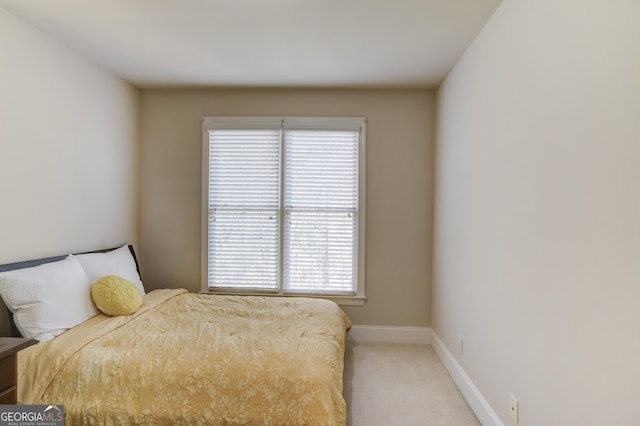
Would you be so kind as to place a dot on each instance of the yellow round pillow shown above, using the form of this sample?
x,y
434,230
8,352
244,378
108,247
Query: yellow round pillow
x,y
115,295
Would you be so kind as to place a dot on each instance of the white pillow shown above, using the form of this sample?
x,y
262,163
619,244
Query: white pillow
x,y
49,299
115,262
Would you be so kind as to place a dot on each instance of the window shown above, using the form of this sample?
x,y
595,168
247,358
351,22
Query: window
x,y
283,206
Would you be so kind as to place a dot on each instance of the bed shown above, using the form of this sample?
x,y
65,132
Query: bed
x,y
184,358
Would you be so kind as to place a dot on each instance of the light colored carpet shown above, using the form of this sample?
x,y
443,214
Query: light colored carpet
x,y
401,384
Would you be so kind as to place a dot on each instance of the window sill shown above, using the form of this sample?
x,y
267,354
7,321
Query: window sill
x,y
340,300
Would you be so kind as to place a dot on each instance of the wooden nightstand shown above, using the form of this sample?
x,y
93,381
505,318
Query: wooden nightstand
x,y
9,347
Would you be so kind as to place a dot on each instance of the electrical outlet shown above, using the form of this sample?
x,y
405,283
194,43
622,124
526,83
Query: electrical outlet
x,y
513,408
461,344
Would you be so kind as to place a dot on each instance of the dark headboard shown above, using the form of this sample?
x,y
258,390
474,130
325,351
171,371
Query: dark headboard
x,y
37,262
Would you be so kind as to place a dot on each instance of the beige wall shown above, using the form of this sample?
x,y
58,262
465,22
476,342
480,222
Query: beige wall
x,y
399,175
537,218
68,149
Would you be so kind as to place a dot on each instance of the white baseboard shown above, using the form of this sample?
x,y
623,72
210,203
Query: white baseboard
x,y
476,401
387,334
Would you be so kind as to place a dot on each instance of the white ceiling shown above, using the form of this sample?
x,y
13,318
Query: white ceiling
x,y
265,43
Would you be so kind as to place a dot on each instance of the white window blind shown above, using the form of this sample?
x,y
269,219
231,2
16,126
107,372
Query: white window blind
x,y
283,204
321,211
244,204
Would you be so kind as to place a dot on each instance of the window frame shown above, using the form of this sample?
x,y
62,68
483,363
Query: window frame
x,y
301,123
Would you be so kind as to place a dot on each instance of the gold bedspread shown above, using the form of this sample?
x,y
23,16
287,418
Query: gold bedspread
x,y
187,358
